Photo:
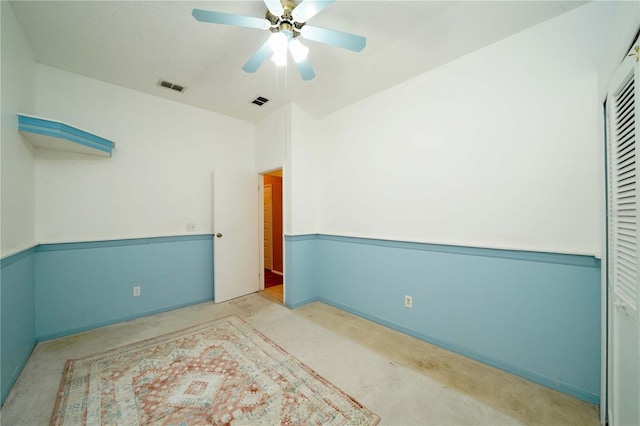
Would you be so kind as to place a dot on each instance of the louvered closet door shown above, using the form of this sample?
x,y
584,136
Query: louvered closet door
x,y
623,254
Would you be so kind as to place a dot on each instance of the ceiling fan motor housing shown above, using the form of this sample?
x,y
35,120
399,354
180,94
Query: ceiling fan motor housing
x,y
285,23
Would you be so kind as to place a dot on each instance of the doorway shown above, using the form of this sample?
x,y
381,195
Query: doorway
x,y
273,235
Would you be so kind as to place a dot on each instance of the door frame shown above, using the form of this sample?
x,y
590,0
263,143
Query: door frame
x,y
605,320
261,222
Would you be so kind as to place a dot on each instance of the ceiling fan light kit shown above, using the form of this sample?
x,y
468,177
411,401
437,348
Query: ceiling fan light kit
x,y
298,50
278,43
287,20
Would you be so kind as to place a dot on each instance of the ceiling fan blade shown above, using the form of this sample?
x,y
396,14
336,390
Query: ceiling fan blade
x,y
306,70
258,58
230,19
274,6
334,38
308,9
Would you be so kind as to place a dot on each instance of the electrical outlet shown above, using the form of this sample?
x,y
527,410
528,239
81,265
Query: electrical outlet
x,y
408,302
191,227
136,291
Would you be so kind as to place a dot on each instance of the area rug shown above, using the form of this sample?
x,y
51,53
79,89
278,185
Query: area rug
x,y
221,372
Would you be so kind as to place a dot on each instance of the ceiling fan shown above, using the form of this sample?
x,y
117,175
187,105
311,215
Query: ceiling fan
x,y
287,21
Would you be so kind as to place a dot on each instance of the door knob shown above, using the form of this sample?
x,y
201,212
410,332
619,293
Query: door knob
x,y
219,235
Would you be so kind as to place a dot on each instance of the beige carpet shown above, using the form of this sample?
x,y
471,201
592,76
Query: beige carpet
x,y
403,380
222,372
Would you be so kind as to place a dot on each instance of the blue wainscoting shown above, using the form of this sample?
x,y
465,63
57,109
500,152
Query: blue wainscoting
x,y
53,290
300,270
533,314
81,286
17,316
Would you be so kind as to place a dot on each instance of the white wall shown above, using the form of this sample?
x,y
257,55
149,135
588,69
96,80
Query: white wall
x,y
271,140
304,166
17,160
500,148
619,37
273,151
159,178
286,138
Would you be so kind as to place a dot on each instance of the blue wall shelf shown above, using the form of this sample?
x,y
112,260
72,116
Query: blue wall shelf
x,y
51,134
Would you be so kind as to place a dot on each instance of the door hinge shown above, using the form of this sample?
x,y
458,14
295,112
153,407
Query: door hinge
x,y
635,53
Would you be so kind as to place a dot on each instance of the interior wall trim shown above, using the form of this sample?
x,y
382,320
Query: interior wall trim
x,y
531,256
121,242
6,261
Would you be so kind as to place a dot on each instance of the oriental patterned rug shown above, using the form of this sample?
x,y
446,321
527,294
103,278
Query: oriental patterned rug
x,y
222,372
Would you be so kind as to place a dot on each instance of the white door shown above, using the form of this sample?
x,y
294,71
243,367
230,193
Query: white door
x,y
236,234
623,254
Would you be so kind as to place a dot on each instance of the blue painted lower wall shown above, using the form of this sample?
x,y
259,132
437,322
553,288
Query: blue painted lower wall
x,y
533,314
53,290
81,286
17,316
536,315
300,268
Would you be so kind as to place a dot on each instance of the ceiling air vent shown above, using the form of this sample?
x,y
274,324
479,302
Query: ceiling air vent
x,y
260,101
177,87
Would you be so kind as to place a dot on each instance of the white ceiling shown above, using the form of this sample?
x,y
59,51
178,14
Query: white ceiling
x,y
136,43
